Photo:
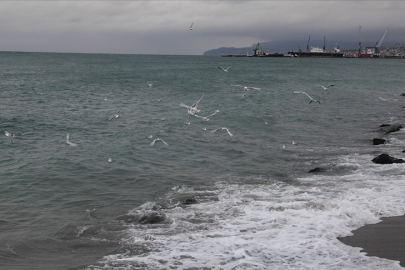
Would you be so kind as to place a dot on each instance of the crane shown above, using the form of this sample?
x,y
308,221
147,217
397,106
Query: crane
x,y
378,44
359,54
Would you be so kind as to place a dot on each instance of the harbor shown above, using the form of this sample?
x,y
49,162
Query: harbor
x,y
377,51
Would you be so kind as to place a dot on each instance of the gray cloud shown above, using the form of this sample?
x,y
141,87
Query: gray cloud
x,y
161,27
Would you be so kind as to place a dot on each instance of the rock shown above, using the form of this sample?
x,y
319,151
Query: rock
x,y
394,128
190,201
385,125
317,169
377,141
403,94
387,159
152,218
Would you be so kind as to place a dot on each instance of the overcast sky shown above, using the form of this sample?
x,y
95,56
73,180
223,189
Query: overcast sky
x,y
162,27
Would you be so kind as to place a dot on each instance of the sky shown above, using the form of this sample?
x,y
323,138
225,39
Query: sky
x,y
162,27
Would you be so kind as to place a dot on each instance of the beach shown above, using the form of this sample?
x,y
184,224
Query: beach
x,y
385,239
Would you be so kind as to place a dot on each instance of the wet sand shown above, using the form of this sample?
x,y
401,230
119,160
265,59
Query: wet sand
x,y
385,239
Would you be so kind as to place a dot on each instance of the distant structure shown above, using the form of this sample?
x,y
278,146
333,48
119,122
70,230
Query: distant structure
x,y
372,51
317,52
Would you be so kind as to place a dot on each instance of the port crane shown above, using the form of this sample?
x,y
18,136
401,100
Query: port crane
x,y
378,44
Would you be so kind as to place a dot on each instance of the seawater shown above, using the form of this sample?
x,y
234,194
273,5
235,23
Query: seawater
x,y
206,200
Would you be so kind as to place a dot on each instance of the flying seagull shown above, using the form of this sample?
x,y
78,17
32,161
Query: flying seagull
x,y
192,110
312,100
247,88
156,140
114,116
191,26
225,69
223,128
326,87
207,118
68,142
8,134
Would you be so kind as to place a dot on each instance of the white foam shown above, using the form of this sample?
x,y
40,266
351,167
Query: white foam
x,y
270,226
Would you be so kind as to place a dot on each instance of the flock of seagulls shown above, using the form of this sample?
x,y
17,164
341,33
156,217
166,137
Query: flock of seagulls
x,y
193,111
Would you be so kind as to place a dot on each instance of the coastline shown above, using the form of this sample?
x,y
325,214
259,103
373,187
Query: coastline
x,y
385,239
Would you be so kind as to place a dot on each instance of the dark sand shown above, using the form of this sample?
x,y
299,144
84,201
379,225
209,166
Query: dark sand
x,y
385,239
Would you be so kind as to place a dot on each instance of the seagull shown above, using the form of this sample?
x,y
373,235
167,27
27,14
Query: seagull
x,y
326,87
8,134
204,128
109,160
187,123
312,100
191,26
223,128
114,116
150,136
192,110
207,118
247,88
225,69
156,140
294,143
68,142
150,84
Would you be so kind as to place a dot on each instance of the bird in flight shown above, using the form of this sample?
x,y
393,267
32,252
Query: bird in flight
x,y
156,140
191,26
192,110
223,128
225,69
326,87
8,134
247,88
312,100
207,118
114,116
68,142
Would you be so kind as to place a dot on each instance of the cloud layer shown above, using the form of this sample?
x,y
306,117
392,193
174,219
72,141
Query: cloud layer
x,y
162,27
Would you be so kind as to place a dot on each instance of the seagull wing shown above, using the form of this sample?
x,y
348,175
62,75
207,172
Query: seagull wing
x,y
227,130
68,138
195,105
213,113
164,142
227,68
153,142
184,106
212,131
307,95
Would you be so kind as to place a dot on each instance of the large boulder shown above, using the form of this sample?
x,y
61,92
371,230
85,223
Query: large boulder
x,y
387,159
394,128
378,141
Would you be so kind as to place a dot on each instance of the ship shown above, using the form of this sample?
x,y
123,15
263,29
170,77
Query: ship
x,y
317,52
257,52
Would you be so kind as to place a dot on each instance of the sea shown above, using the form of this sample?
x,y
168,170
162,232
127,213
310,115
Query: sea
x,y
197,198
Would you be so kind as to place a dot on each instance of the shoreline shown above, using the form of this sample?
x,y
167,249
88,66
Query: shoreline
x,y
385,239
